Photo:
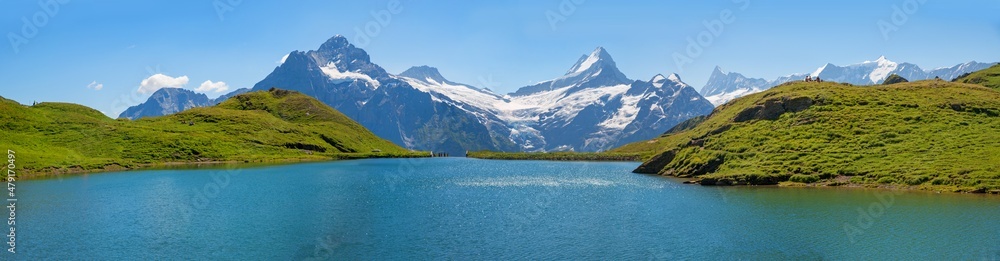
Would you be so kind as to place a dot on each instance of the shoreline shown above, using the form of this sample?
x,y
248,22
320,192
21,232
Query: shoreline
x,y
77,171
557,156
788,184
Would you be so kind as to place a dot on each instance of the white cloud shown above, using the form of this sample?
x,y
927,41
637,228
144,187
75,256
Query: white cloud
x,y
95,86
283,58
158,81
209,86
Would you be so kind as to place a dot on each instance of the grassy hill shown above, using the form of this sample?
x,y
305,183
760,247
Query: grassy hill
x,y
265,126
989,77
932,135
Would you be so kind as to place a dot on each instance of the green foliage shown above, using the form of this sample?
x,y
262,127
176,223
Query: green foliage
x,y
989,77
925,134
273,126
800,178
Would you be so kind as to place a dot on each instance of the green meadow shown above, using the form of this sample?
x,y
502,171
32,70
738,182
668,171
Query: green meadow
x,y
265,126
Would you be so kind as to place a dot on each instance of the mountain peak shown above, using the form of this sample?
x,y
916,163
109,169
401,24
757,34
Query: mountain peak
x,y
674,77
335,42
658,80
718,71
423,72
599,57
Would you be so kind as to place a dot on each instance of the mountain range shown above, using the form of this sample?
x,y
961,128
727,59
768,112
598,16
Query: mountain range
x,y
724,86
593,107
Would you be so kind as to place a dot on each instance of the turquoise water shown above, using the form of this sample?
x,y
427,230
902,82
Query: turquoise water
x,y
456,208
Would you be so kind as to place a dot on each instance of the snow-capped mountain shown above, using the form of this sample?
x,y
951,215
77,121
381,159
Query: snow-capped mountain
x,y
343,76
869,72
593,107
722,87
167,101
596,102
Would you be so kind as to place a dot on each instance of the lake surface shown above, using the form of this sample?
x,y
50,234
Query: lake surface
x,y
466,209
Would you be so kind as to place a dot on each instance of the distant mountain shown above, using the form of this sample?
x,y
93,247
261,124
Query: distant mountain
x,y
166,101
225,97
723,87
593,107
343,76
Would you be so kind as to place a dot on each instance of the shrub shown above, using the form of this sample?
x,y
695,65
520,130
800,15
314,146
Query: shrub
x,y
803,178
887,180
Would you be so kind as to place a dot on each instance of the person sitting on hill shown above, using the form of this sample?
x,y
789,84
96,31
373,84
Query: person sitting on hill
x,y
808,78
818,79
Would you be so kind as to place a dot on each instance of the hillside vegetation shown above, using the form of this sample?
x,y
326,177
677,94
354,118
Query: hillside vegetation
x,y
989,77
265,126
932,135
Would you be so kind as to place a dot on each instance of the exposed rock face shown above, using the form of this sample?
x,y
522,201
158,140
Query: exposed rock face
x,y
774,108
655,164
748,180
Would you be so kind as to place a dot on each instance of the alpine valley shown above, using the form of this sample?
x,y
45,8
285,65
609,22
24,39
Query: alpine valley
x,y
593,107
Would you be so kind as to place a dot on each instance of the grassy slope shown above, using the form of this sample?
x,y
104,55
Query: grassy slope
x,y
927,134
989,77
51,138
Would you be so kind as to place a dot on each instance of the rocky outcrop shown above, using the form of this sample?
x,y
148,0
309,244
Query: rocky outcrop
x,y
894,79
742,180
774,108
657,163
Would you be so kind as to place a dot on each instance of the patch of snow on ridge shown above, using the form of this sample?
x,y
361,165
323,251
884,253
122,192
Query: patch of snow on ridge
x,y
499,106
565,105
587,63
725,97
625,115
337,76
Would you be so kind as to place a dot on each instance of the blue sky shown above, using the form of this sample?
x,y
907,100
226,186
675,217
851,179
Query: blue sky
x,y
500,44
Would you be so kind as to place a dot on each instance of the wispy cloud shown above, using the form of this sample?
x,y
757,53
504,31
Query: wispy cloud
x,y
95,86
159,81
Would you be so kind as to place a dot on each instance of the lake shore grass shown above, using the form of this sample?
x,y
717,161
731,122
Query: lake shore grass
x,y
54,172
